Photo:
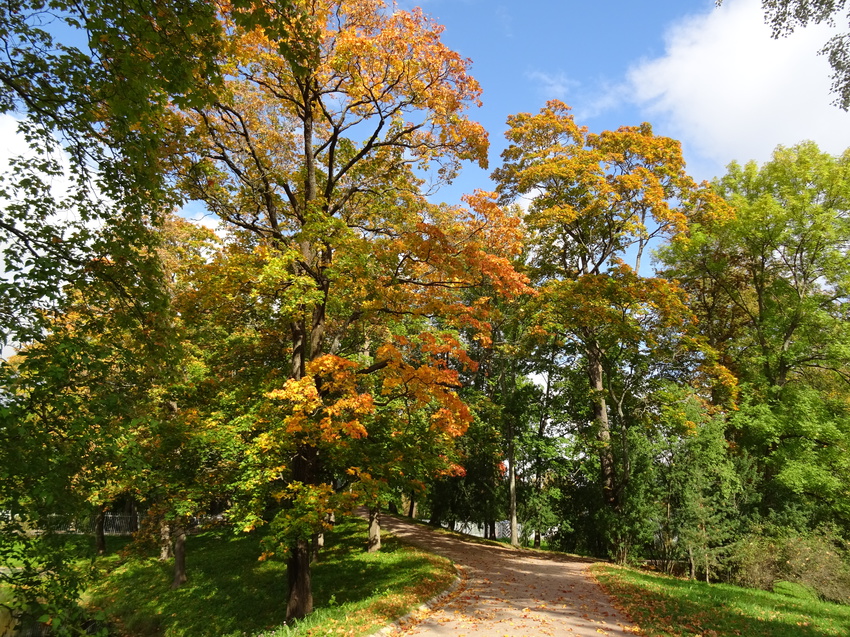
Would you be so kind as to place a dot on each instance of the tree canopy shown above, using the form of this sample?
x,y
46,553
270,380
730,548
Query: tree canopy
x,y
632,365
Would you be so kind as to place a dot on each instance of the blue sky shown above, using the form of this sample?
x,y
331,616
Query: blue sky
x,y
711,77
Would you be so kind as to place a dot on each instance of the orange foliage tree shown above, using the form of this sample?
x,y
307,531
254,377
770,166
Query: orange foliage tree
x,y
318,166
598,199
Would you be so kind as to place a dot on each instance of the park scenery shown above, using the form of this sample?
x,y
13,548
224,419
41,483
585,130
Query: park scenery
x,y
266,372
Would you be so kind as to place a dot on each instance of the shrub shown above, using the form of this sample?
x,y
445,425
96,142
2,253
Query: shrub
x,y
816,561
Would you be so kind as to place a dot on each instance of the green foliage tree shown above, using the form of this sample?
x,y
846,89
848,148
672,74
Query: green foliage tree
x,y
769,286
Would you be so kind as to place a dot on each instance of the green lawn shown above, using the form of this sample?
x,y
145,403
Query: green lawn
x,y
666,606
231,593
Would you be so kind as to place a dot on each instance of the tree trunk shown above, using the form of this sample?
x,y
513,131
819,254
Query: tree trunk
x,y
603,426
411,512
179,557
374,529
537,539
512,489
99,535
165,545
300,602
318,544
692,569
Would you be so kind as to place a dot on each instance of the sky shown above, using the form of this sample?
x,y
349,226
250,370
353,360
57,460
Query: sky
x,y
711,77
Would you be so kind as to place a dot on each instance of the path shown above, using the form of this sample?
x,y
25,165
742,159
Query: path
x,y
508,592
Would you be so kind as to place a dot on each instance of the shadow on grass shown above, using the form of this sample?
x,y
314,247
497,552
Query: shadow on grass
x,y
231,593
664,605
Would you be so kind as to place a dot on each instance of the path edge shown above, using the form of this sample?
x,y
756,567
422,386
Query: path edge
x,y
422,609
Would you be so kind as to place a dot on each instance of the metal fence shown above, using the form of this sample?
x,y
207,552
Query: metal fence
x,y
503,529
113,524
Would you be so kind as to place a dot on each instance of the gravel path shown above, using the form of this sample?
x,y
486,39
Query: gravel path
x,y
508,592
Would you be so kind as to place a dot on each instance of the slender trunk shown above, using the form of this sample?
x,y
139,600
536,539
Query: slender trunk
x,y
411,511
603,426
179,557
317,544
300,602
541,432
134,520
165,547
99,534
692,568
374,529
512,489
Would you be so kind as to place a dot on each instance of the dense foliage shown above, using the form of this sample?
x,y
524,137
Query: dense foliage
x,y
343,340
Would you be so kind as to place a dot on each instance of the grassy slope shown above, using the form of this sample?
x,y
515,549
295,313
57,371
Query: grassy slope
x,y
231,593
670,607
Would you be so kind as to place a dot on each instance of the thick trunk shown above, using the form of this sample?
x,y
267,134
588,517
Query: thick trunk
x,y
99,534
374,530
306,340
179,557
411,511
300,602
165,545
493,530
603,426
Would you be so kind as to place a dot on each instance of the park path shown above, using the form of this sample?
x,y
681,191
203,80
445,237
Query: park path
x,y
510,592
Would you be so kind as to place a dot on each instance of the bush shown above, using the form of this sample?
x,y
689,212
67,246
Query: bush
x,y
817,561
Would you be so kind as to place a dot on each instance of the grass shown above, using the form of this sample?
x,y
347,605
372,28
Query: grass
x,y
230,593
666,606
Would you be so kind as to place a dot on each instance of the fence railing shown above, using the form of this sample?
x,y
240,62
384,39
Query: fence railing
x,y
113,524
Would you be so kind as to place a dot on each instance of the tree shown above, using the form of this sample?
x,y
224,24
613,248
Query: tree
x,y
771,284
67,404
596,200
89,83
345,239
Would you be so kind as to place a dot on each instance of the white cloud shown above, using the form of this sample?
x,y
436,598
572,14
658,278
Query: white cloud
x,y
553,85
730,91
13,144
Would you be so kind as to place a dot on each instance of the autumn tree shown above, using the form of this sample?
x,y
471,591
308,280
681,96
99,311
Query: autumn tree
x,y
317,163
597,200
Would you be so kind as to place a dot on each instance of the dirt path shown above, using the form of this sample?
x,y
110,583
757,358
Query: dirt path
x,y
507,592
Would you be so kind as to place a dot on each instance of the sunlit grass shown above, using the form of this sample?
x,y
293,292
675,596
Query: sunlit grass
x,y
230,593
666,606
